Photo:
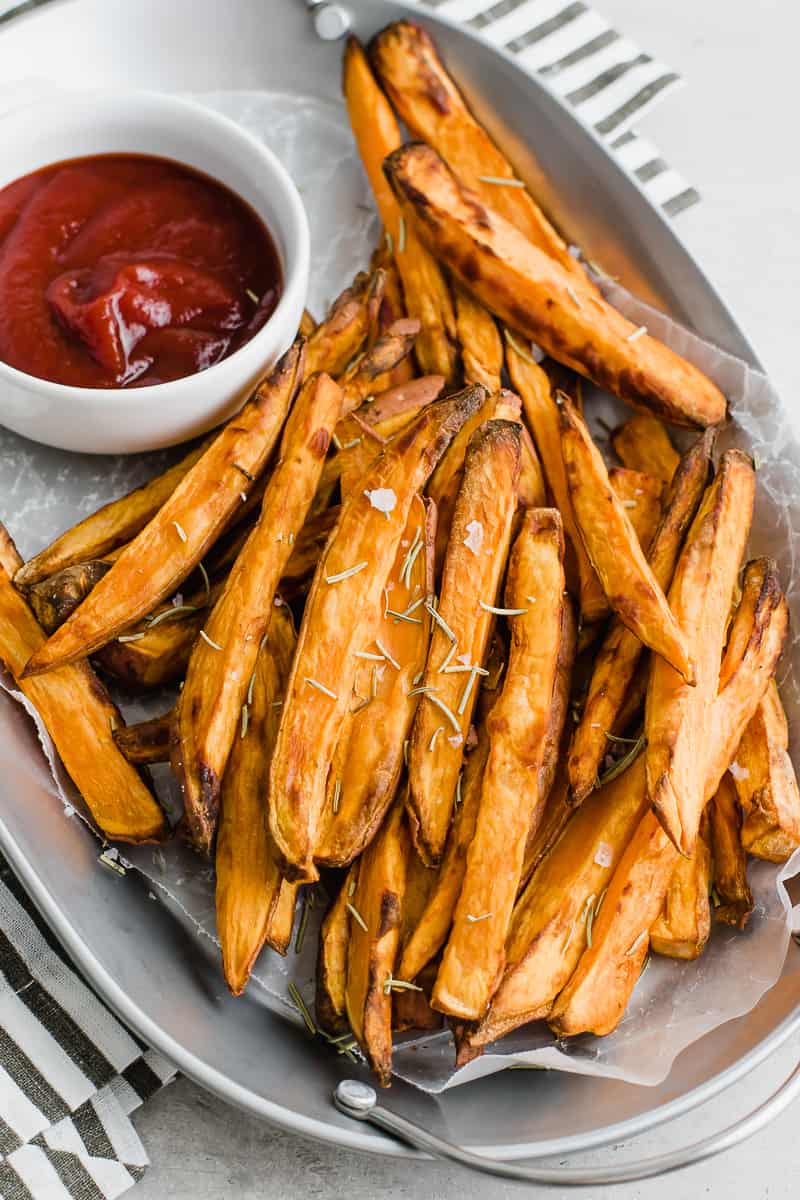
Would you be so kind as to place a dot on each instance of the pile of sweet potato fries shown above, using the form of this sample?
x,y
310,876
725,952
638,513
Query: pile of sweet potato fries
x,y
516,706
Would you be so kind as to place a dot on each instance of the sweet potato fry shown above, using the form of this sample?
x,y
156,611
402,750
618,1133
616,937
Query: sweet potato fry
x,y
430,932
80,717
364,780
55,597
307,324
643,444
532,292
425,290
684,923
162,555
473,568
733,899
677,721
341,336
212,703
336,621
330,1007
480,342
511,796
541,412
628,581
557,813
111,526
371,372
249,882
598,990
147,742
640,496
554,916
530,486
766,783
756,641
375,912
620,655
432,107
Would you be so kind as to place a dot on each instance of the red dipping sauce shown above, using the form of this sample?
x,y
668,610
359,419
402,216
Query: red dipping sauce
x,y
124,270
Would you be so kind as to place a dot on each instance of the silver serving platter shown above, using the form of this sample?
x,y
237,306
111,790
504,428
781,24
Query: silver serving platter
x,y
160,980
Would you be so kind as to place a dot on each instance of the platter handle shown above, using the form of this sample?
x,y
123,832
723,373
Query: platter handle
x,y
360,1101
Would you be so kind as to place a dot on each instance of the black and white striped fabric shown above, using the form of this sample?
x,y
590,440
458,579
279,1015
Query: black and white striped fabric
x,y
70,1074
607,78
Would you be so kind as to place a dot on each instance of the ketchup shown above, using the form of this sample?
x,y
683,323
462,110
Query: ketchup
x,y
124,270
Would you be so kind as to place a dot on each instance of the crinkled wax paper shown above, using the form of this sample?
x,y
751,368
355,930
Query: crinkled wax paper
x,y
44,491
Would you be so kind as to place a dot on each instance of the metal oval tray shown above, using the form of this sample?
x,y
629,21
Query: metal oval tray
x,y
161,981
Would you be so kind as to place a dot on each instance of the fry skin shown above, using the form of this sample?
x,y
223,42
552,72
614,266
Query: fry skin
x,y
352,316
643,444
147,742
330,1006
729,857
175,540
364,781
541,413
684,924
371,373
677,717
79,716
374,940
533,293
58,595
511,796
548,930
766,783
425,290
620,655
336,622
249,883
480,535
432,107
209,709
611,543
111,526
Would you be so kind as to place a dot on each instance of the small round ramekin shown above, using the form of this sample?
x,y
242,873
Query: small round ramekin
x,y
126,420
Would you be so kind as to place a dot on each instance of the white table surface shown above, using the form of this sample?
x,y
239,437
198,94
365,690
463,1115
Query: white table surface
x,y
731,132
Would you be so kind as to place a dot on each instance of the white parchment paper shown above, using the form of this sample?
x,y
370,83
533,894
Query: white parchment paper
x,y
43,491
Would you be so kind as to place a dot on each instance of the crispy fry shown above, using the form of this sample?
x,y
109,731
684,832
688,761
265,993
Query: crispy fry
x,y
210,707
330,1007
430,932
530,486
432,107
424,288
307,324
766,783
58,595
371,372
111,526
352,316
535,294
373,943
617,662
364,434
79,716
556,815
640,496
476,554
365,780
677,720
559,707
480,342
554,915
511,796
734,900
628,581
147,742
251,895
684,923
541,412
598,990
643,444
162,555
336,621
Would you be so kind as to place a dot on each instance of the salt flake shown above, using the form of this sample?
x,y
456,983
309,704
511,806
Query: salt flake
x,y
738,772
384,499
604,855
474,539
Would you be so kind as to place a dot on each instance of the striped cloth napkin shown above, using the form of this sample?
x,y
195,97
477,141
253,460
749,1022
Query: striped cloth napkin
x,y
70,1074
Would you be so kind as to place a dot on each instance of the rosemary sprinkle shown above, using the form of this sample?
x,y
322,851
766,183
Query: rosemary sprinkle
x,y
320,687
443,708
245,719
181,531
387,655
439,729
483,917
346,574
214,645
399,985
356,915
500,182
637,333
130,637
502,612
440,621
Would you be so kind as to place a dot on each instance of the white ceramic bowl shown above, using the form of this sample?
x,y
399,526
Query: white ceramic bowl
x,y
124,420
